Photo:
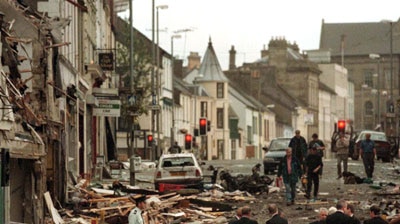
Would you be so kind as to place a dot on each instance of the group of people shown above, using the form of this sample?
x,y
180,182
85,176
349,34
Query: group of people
x,y
343,213
304,160
243,216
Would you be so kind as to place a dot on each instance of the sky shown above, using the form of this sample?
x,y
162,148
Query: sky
x,y
250,25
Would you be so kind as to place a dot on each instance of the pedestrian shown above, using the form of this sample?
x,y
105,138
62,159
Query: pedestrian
x,y
275,215
322,214
175,148
342,154
368,153
290,170
237,216
299,145
245,218
339,217
313,164
375,214
350,212
316,142
135,216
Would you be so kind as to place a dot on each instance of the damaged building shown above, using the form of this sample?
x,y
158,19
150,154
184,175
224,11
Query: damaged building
x,y
52,83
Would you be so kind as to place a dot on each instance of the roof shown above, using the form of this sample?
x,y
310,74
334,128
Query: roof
x,y
210,69
375,38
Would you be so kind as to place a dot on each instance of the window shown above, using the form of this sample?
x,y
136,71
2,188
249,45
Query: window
x,y
220,117
369,108
266,130
249,135
220,90
368,77
255,125
203,109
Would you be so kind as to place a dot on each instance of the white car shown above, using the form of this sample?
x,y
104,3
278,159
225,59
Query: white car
x,y
177,171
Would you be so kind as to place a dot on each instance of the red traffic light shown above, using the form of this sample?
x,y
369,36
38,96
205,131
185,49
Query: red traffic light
x,y
203,126
149,138
188,138
341,125
188,141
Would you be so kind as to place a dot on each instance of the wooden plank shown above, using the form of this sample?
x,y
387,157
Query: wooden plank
x,y
53,211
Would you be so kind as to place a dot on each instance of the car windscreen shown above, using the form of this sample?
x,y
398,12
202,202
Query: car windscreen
x,y
178,161
279,145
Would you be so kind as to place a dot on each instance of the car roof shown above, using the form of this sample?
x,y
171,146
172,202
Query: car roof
x,y
372,132
177,155
281,138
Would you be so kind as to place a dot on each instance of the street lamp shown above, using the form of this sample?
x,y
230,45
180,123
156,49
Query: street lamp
x,y
158,77
390,22
176,36
363,86
378,95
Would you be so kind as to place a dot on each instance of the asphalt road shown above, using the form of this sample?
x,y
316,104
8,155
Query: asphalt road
x,y
331,189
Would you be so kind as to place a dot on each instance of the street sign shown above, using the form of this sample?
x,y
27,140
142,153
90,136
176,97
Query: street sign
x,y
107,108
154,107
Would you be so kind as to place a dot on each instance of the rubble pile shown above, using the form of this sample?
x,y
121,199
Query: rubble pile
x,y
107,204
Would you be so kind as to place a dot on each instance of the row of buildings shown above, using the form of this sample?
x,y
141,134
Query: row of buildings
x,y
74,96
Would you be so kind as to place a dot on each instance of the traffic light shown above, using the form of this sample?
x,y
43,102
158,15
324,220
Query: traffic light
x,y
188,141
203,126
150,140
341,126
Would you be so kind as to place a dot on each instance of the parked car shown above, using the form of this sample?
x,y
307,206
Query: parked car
x,y
275,152
384,149
177,171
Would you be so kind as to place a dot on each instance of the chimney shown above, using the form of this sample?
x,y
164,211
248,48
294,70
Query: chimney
x,y
232,58
264,52
193,60
178,68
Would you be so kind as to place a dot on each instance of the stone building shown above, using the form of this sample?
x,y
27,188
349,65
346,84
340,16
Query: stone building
x,y
373,62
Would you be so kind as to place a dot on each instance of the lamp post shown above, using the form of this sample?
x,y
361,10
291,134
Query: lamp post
x,y
158,78
363,86
177,36
378,95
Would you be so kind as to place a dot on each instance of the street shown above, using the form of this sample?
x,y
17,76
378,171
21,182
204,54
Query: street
x,y
331,189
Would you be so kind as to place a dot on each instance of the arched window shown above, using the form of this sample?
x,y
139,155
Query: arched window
x,y
369,108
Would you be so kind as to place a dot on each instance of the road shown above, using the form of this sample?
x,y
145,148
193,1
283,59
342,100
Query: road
x,y
331,189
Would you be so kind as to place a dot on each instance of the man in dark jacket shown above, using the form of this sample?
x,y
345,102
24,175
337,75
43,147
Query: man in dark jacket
x,y
375,214
319,144
368,153
339,217
350,212
299,145
245,219
290,170
275,215
313,163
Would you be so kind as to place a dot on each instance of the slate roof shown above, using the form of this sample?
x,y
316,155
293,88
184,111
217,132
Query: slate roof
x,y
210,68
360,38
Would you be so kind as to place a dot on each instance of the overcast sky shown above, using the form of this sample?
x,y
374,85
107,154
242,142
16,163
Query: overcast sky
x,y
249,25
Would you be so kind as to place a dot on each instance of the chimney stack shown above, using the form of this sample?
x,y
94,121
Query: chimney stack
x,y
232,58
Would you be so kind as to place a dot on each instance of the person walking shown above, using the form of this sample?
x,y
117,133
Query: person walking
x,y
375,214
245,218
313,164
135,216
322,214
299,146
275,215
319,144
339,217
342,154
350,212
290,170
368,153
